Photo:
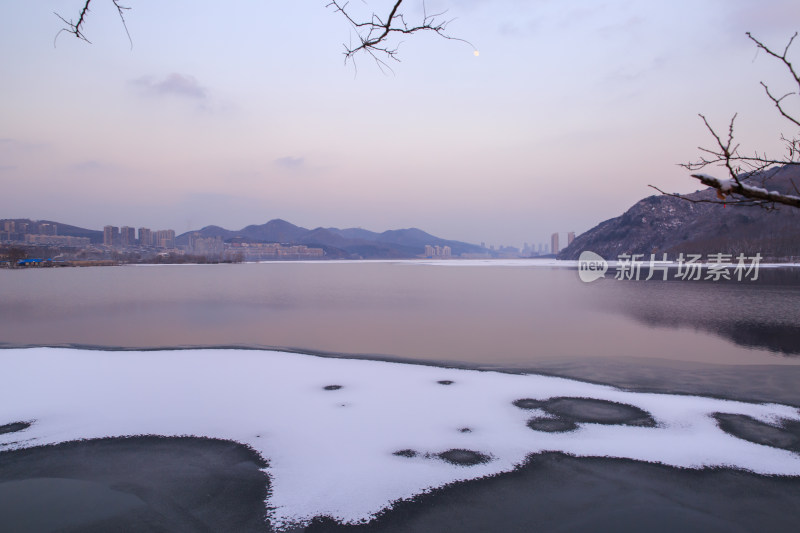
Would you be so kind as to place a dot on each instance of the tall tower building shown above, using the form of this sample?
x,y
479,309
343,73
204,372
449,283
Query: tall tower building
x,y
554,248
570,237
110,235
127,236
145,237
165,238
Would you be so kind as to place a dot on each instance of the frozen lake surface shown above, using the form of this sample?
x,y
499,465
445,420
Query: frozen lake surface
x,y
706,376
348,438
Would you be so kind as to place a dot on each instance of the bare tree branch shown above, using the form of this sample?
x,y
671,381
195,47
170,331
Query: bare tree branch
x,y
777,102
783,59
76,28
374,33
735,189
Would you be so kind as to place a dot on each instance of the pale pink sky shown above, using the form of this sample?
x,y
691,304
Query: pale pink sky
x,y
237,115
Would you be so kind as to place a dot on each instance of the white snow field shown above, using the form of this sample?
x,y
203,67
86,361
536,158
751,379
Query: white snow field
x,y
332,451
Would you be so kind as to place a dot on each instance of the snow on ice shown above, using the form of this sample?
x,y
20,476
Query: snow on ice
x,y
347,438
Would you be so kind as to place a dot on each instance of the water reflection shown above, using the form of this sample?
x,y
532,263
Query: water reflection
x,y
492,316
761,314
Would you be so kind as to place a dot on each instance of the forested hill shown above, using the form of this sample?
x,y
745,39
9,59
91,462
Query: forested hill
x,y
345,243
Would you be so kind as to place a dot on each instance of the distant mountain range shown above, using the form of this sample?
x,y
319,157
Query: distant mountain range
x,y
351,243
656,224
339,243
659,224
94,236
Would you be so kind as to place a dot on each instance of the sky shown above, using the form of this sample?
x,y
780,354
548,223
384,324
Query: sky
x,y
234,113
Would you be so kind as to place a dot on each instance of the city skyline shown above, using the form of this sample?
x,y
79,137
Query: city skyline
x,y
30,231
567,114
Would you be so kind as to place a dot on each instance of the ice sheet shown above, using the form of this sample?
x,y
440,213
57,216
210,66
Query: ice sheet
x,y
332,451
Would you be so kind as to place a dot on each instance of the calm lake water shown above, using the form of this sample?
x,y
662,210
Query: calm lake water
x,y
509,315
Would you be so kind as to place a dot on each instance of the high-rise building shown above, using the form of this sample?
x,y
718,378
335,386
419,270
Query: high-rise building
x,y
438,251
165,238
554,248
570,237
209,245
145,237
48,229
127,236
110,235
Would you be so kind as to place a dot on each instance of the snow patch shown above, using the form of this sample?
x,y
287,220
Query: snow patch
x,y
390,431
726,185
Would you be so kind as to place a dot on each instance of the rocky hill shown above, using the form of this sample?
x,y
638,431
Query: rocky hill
x,y
659,224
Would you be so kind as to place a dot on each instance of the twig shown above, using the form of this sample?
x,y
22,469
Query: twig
x,y
373,34
76,28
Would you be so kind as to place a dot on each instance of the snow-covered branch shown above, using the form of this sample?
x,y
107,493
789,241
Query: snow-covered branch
x,y
736,187
740,166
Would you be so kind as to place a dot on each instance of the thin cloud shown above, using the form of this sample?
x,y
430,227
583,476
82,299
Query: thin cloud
x,y
631,73
16,152
181,85
91,165
7,143
290,162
